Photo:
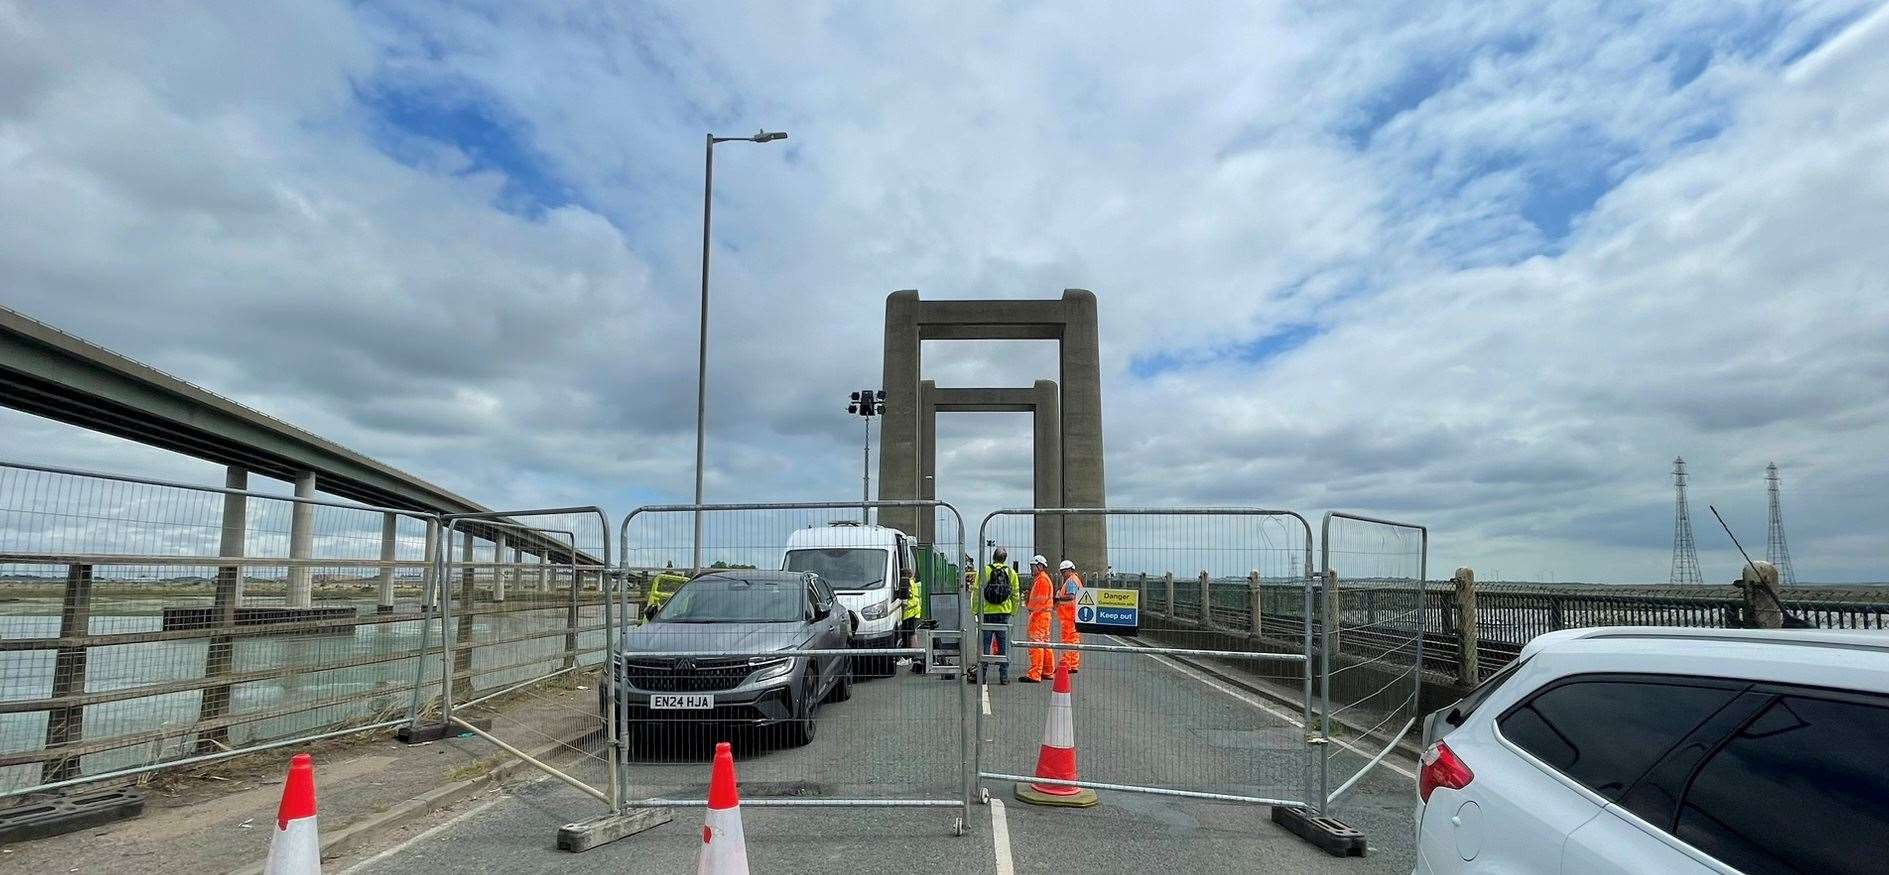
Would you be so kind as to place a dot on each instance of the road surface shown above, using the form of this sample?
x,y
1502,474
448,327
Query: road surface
x,y
1139,719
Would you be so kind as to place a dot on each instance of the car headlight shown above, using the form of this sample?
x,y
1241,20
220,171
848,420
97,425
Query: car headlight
x,y
770,667
877,611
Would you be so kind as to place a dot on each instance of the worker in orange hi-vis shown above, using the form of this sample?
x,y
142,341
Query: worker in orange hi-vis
x,y
1066,594
1042,662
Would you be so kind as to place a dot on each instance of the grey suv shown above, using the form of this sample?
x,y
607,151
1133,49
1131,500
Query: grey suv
x,y
741,619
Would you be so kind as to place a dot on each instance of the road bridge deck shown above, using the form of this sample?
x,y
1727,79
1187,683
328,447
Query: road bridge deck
x,y
1228,732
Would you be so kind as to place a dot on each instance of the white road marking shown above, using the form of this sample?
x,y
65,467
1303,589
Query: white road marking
x,y
1000,837
427,834
985,692
1263,706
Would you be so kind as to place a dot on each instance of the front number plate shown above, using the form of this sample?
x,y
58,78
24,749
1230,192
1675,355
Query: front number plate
x,y
681,703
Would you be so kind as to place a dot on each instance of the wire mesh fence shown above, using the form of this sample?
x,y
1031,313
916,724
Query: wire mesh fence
x,y
145,623
1149,713
823,648
1370,639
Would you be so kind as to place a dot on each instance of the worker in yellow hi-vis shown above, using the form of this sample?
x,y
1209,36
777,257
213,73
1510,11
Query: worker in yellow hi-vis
x,y
908,621
1067,592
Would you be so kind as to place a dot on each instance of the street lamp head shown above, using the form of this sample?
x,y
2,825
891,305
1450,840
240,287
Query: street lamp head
x,y
768,136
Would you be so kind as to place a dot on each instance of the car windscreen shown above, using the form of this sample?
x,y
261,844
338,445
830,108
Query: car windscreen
x,y
731,600
843,567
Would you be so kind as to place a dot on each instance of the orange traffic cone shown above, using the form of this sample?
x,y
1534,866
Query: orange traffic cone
x,y
1056,759
296,847
724,848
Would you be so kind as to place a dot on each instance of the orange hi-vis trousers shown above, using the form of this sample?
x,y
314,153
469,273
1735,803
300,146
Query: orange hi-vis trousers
x,y
1042,662
1066,617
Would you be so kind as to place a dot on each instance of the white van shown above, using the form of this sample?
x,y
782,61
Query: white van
x,y
865,565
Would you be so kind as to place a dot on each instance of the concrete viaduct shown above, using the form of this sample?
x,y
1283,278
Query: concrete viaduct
x,y
50,373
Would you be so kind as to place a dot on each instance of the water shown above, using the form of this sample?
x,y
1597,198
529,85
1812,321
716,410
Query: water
x,y
323,697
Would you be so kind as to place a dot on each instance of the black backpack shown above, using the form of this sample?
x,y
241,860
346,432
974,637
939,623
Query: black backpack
x,y
996,585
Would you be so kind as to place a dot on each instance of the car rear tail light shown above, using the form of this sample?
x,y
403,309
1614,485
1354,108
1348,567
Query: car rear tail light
x,y
1442,768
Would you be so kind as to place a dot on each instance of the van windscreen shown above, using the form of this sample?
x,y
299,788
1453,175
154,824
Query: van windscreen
x,y
846,568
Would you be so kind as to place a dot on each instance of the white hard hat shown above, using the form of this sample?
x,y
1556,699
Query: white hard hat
x,y
1066,566
1039,560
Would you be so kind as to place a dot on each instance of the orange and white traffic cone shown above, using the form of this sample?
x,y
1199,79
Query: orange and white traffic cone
x,y
1056,759
296,847
724,848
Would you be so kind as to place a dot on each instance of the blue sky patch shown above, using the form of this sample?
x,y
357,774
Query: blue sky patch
x,y
1273,344
1553,205
490,138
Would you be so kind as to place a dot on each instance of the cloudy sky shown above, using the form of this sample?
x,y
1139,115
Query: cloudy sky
x,y
1487,268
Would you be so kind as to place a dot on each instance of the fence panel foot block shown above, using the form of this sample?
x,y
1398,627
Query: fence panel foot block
x,y
586,834
39,817
426,732
1328,834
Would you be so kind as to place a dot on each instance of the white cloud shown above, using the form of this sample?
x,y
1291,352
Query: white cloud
x,y
221,194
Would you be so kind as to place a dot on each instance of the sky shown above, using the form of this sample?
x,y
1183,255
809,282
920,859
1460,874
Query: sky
x,y
1487,268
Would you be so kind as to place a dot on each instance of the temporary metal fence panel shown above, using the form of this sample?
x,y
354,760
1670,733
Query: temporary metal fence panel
x,y
1186,702
1370,632
146,624
524,608
828,700
525,613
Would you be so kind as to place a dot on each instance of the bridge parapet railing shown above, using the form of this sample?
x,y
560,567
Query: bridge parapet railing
x,y
147,624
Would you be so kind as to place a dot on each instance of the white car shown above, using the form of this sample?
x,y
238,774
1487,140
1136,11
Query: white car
x,y
1655,750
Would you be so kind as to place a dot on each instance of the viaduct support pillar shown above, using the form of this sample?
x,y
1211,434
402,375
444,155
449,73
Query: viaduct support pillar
x,y
302,543
388,524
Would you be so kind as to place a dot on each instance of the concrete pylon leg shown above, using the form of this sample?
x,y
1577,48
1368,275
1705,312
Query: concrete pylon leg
x,y
927,459
1085,538
898,427
388,525
302,543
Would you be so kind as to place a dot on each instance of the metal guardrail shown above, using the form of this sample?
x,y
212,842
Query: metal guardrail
x,y
1508,615
147,624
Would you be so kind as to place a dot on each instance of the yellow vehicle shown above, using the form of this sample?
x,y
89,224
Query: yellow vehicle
x,y
661,587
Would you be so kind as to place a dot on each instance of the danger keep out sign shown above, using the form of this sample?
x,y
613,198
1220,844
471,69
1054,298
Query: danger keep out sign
x,y
1116,611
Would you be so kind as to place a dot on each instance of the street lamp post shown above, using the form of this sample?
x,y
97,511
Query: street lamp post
x,y
701,352
866,403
